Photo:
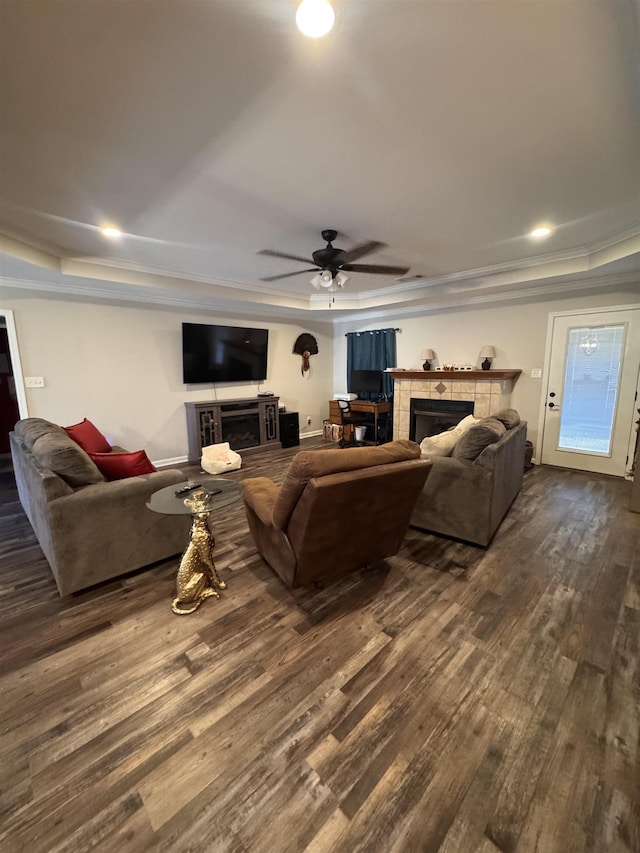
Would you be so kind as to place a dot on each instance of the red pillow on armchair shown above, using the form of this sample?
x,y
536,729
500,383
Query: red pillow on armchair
x,y
119,466
89,437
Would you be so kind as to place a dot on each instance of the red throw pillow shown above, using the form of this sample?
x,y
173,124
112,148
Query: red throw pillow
x,y
119,466
89,437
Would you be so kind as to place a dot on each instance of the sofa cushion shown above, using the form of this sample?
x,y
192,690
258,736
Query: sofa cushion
x,y
474,441
467,423
443,443
31,429
88,436
65,458
119,466
509,417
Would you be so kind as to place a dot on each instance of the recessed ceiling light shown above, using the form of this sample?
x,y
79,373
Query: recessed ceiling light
x,y
540,232
111,231
315,18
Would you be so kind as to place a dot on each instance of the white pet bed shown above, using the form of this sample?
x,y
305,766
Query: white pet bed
x,y
218,458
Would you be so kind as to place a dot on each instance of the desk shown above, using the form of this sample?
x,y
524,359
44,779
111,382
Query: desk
x,y
369,406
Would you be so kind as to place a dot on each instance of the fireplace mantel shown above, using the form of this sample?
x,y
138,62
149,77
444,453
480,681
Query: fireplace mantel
x,y
463,375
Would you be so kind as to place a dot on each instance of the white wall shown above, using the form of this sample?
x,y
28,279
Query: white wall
x,y
518,332
120,365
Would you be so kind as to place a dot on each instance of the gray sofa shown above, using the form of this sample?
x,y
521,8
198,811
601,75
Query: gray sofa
x,y
90,529
467,499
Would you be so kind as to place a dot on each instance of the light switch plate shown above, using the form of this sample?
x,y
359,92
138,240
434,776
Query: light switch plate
x,y
536,373
34,381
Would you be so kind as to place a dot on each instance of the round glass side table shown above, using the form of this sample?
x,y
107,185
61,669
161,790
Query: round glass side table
x,y
197,577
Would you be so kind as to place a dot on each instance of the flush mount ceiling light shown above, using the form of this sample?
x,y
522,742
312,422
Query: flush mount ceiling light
x,y
315,18
111,232
540,232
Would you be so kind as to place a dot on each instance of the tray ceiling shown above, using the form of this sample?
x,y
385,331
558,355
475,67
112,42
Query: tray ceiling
x,y
208,131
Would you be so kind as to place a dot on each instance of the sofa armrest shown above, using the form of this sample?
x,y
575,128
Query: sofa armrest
x,y
135,489
260,494
456,500
105,529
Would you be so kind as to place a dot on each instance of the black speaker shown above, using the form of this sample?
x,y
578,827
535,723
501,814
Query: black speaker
x,y
289,429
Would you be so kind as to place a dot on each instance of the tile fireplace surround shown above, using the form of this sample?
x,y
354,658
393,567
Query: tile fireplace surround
x,y
489,390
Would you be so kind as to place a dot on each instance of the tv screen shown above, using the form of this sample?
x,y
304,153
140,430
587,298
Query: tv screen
x,y
366,382
223,354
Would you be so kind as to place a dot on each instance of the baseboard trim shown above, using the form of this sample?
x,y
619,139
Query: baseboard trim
x,y
184,460
171,463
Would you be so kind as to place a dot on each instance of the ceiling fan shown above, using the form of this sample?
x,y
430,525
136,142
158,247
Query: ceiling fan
x,y
333,263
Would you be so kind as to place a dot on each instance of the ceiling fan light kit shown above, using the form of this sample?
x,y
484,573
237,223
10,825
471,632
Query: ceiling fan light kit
x,y
327,280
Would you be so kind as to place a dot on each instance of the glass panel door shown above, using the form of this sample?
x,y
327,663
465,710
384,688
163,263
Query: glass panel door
x,y
590,393
589,402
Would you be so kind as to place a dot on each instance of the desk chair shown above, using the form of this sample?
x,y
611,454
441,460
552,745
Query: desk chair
x,y
351,419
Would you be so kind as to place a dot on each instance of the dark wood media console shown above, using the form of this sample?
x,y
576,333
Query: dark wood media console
x,y
248,424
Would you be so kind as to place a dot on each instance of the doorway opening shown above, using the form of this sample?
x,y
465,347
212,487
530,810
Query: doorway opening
x,y
13,401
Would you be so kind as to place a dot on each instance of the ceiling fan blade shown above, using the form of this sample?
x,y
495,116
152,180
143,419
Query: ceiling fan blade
x,y
363,249
288,274
375,269
270,254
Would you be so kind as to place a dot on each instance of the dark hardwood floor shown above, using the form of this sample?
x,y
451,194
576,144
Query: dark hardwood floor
x,y
451,699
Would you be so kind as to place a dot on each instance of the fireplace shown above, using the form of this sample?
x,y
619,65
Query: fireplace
x,y
489,390
430,417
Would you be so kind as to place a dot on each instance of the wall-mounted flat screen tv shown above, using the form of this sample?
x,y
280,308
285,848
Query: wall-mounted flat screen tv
x,y
223,354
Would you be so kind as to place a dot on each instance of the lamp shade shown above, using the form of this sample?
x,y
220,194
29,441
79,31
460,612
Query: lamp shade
x,y
428,354
488,352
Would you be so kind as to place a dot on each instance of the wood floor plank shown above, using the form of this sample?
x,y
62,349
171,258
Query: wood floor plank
x,y
451,698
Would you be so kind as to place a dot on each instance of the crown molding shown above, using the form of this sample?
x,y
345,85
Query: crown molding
x,y
151,296
611,249
555,289
556,274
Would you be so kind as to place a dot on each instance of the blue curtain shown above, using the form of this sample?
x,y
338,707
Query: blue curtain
x,y
373,350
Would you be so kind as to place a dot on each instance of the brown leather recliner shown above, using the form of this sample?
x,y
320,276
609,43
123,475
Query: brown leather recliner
x,y
336,511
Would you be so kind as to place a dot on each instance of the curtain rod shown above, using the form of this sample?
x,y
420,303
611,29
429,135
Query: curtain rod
x,y
371,332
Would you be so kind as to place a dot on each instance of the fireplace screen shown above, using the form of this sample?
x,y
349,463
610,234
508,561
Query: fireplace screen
x,y
430,417
241,430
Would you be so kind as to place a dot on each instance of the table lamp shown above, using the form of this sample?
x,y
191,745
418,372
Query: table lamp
x,y
488,353
428,355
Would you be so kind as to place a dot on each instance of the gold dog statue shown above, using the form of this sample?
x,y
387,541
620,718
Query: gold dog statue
x,y
197,576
